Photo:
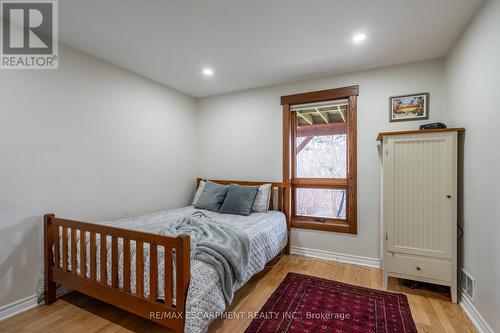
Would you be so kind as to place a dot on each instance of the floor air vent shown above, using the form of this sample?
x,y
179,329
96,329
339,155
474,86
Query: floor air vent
x,y
467,284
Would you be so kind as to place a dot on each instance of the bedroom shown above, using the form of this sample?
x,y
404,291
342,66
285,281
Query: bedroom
x,y
130,115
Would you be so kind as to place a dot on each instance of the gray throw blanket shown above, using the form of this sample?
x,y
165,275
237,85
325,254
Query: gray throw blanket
x,y
220,245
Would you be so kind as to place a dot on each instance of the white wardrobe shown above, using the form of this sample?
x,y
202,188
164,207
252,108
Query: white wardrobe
x,y
419,206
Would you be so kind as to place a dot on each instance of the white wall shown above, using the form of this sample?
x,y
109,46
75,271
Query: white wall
x,y
473,81
241,138
89,141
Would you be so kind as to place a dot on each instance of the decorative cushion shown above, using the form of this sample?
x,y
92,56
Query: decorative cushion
x,y
262,199
212,196
198,192
239,199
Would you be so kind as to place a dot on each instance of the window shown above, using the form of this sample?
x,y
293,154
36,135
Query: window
x,y
319,159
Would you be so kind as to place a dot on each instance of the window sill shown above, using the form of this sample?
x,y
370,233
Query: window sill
x,y
326,226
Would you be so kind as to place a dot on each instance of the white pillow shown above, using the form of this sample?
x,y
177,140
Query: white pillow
x,y
198,192
262,199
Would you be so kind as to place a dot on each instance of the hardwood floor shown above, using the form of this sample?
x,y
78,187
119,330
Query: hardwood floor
x,y
78,313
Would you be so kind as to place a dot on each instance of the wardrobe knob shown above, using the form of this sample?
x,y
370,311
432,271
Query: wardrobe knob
x,y
448,196
418,268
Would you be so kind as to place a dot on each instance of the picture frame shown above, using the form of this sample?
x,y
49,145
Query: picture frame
x,y
409,107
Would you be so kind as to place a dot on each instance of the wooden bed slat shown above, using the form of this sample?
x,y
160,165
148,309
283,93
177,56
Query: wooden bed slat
x,y
139,269
271,199
93,257
104,259
168,277
83,254
182,263
65,249
153,272
126,265
114,262
280,199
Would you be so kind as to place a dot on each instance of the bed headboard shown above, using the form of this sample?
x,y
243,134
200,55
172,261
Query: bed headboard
x,y
277,188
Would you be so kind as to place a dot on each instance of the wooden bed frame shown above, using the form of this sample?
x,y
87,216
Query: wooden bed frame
x,y
165,312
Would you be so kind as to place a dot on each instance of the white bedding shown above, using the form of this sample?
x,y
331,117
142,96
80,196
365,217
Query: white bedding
x,y
268,236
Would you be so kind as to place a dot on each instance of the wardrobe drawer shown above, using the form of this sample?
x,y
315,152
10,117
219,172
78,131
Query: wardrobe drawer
x,y
418,267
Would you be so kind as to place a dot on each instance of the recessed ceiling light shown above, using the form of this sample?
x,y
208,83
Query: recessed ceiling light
x,y
208,71
358,38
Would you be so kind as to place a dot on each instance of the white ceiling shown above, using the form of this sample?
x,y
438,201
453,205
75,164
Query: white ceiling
x,y
253,43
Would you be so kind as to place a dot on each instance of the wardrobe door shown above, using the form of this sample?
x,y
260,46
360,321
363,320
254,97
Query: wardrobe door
x,y
420,194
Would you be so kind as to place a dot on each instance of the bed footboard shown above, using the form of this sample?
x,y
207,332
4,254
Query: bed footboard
x,y
72,272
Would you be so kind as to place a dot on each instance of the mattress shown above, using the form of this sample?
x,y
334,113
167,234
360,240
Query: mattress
x,y
267,233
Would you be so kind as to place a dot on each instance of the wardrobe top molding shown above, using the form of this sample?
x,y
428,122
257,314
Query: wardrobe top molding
x,y
381,135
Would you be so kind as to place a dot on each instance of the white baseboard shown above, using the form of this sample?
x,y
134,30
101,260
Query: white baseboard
x,y
474,315
18,306
341,257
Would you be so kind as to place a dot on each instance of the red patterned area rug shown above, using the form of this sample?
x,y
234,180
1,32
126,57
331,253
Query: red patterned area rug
x,y
305,303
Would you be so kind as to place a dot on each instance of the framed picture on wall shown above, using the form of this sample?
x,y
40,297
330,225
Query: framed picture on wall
x,y
409,107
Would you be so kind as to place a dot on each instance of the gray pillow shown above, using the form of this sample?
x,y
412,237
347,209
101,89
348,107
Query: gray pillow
x,y
239,199
212,196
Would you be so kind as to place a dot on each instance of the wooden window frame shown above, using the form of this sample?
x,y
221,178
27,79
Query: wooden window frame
x,y
349,224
